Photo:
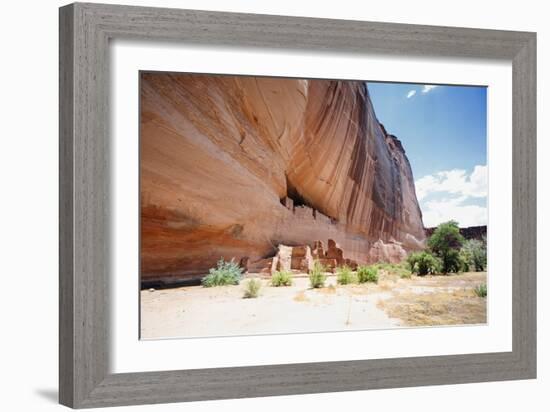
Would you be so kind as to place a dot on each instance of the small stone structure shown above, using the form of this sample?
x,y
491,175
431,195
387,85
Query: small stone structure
x,y
333,256
300,259
289,258
307,212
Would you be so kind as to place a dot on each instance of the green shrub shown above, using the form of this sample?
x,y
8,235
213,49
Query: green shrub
x,y
476,253
400,269
252,288
382,266
445,243
451,262
405,274
481,290
317,275
403,265
367,274
344,275
226,273
465,260
423,263
282,278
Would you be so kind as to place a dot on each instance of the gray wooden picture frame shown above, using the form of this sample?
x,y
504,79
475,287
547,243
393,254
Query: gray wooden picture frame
x,y
85,31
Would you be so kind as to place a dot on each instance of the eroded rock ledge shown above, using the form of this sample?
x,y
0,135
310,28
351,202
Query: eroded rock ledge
x,y
235,166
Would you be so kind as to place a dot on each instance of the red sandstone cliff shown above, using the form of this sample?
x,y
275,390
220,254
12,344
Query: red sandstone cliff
x,y
221,154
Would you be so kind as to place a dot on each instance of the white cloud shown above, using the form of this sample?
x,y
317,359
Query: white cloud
x,y
438,211
443,196
425,89
456,182
428,87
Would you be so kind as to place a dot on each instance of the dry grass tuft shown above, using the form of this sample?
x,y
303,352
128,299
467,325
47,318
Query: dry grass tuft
x,y
386,285
301,297
451,307
328,290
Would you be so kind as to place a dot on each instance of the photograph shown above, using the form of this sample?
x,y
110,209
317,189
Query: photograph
x,y
276,205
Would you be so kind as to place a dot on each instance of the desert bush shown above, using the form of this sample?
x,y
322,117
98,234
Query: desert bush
x,y
317,276
225,273
451,262
381,266
423,263
405,274
344,275
446,242
367,274
252,288
402,265
476,252
481,290
400,269
465,260
281,278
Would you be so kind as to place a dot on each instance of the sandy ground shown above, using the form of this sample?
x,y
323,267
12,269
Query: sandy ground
x,y
196,311
438,301
221,311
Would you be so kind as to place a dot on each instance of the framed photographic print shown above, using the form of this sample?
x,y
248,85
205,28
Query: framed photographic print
x,y
258,205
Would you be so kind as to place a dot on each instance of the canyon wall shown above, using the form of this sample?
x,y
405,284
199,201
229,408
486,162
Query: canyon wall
x,y
233,166
470,232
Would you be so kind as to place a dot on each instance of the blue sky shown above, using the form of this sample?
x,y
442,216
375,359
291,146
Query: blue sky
x,y
444,132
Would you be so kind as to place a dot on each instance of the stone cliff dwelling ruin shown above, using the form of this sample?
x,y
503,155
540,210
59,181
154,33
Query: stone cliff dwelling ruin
x,y
300,259
264,170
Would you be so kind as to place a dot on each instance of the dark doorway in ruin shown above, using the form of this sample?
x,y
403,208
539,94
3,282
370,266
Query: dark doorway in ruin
x,y
293,194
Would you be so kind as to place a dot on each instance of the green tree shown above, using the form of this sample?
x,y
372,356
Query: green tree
x,y
476,250
446,242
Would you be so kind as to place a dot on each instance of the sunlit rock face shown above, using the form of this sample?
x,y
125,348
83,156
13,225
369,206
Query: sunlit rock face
x,y
234,166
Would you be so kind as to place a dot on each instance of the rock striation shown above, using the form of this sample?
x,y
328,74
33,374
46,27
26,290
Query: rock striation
x,y
234,166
